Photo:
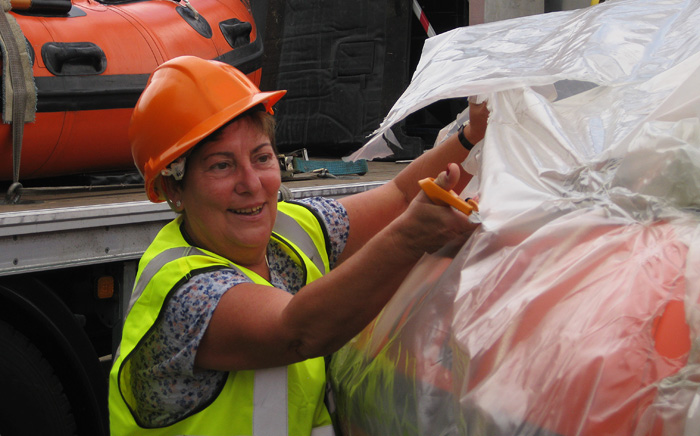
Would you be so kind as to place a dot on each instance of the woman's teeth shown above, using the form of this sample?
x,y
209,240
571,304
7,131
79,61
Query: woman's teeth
x,y
249,211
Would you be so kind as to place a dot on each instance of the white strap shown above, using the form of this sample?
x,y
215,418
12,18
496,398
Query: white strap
x,y
270,402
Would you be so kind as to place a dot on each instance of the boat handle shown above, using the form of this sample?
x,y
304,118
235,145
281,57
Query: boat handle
x,y
73,58
236,32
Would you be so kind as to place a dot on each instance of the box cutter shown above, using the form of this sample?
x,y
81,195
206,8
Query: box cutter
x,y
441,196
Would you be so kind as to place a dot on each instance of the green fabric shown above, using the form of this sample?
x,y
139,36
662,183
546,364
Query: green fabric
x,y
337,168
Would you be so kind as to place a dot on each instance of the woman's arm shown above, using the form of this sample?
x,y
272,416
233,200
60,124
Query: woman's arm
x,y
257,326
372,210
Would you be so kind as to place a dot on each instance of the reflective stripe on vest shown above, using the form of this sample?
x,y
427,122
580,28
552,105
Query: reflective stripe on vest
x,y
159,262
286,225
323,431
270,402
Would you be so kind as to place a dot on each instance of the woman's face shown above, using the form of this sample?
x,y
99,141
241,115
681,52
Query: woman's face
x,y
229,194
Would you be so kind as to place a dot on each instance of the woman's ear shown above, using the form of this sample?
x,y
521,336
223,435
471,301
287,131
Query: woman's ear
x,y
173,193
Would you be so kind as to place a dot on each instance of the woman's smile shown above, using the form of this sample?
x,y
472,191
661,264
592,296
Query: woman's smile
x,y
248,211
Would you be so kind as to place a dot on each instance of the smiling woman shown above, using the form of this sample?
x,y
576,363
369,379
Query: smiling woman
x,y
239,298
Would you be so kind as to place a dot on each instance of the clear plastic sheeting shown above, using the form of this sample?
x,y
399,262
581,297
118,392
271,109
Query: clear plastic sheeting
x,y
575,308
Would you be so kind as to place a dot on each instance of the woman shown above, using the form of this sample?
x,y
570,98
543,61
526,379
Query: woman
x,y
238,299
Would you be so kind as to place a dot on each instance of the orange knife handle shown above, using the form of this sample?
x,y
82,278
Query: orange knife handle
x,y
441,196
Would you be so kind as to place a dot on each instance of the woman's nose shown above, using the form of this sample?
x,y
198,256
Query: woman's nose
x,y
248,180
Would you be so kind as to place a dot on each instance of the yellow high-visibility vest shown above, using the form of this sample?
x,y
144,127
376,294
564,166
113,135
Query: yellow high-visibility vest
x,y
277,401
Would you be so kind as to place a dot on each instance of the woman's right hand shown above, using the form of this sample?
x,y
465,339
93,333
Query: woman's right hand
x,y
426,226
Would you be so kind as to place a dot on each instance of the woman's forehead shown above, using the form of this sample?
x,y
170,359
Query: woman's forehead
x,y
240,135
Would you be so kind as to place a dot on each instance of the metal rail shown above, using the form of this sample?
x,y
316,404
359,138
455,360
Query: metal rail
x,y
62,237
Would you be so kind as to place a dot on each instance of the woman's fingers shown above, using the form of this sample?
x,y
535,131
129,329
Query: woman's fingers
x,y
448,178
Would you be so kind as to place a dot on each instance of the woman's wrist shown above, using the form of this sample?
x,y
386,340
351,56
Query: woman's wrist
x,y
466,143
470,135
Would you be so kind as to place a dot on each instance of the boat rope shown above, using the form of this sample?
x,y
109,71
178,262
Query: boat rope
x,y
19,90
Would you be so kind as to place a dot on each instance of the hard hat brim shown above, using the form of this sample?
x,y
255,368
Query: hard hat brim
x,y
204,129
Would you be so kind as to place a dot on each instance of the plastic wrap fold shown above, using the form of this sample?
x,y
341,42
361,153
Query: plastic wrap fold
x,y
575,308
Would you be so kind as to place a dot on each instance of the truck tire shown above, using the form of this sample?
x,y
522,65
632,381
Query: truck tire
x,y
32,399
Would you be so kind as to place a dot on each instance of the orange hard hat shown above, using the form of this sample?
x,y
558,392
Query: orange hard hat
x,y
186,99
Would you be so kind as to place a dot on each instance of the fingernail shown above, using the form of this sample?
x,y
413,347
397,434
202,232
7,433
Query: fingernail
x,y
447,171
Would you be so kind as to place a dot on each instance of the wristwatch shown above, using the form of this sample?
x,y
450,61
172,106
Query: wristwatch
x,y
463,139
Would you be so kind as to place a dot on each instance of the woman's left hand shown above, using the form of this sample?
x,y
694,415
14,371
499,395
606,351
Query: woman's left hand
x,y
475,130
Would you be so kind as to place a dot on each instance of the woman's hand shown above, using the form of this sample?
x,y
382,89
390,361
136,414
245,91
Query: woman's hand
x,y
478,121
371,211
426,226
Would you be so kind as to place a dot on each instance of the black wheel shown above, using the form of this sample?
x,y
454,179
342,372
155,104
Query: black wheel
x,y
32,401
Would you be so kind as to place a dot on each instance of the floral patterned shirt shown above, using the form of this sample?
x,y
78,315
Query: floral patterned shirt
x,y
166,385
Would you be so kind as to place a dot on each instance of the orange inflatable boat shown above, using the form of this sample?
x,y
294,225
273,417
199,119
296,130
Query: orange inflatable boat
x,y
90,60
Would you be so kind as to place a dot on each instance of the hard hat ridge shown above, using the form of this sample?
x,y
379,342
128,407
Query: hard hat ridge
x,y
186,99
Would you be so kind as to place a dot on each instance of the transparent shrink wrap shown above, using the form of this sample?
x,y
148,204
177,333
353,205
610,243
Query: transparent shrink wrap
x,y
574,309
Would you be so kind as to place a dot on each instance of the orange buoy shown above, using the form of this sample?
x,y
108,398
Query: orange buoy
x,y
91,61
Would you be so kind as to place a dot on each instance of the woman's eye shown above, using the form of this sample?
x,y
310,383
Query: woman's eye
x,y
264,158
221,165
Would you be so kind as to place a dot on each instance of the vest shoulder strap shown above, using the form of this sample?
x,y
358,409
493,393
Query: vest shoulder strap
x,y
287,226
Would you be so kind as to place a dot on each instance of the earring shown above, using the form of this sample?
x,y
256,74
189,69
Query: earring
x,y
178,203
